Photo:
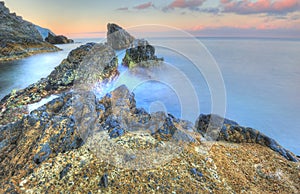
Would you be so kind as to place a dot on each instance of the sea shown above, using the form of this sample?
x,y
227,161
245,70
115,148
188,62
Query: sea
x,y
253,81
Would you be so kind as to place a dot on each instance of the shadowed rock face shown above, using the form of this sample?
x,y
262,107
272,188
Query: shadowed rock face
x,y
19,38
117,37
58,39
230,131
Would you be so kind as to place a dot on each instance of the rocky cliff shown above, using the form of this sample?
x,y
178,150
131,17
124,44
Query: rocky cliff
x,y
19,38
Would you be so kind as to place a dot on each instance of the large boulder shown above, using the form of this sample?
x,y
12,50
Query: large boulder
x,y
117,37
19,38
140,53
58,39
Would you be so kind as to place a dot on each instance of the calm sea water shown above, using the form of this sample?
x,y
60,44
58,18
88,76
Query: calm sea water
x,y
261,80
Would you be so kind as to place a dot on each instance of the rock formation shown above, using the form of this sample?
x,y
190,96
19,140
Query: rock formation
x,y
140,53
104,66
44,32
117,37
227,130
53,39
19,38
52,149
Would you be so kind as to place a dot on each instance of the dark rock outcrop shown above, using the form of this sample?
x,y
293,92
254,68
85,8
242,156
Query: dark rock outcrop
x,y
142,54
53,39
117,37
230,131
19,38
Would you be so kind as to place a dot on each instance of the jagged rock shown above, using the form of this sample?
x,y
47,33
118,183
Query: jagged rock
x,y
123,116
86,64
35,138
117,37
45,150
141,53
53,129
227,130
58,39
19,38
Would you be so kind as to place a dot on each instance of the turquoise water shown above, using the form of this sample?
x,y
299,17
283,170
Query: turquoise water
x,y
261,77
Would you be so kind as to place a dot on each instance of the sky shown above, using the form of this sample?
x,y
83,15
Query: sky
x,y
208,18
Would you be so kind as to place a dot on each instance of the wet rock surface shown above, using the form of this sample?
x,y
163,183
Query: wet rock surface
x,y
141,54
19,38
117,37
60,39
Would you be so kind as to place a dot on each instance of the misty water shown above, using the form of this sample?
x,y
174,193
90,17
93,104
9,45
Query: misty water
x,y
261,78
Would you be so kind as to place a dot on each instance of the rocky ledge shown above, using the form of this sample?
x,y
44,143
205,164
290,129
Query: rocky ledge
x,y
19,38
60,39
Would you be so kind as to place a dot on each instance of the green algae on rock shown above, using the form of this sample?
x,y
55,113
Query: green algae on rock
x,y
141,54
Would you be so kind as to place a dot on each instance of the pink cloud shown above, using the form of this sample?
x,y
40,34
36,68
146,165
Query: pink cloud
x,y
191,4
144,5
261,6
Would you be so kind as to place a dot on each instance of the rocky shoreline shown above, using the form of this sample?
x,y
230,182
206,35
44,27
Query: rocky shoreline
x,y
19,38
80,143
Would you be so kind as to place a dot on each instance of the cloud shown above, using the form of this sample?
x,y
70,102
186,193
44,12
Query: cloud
x,y
122,9
184,4
260,6
144,6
